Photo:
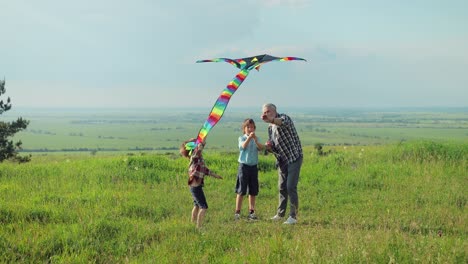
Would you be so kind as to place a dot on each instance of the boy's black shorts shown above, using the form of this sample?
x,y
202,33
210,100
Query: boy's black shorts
x,y
247,180
199,198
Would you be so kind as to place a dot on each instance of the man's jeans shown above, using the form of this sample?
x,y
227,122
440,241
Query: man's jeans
x,y
288,177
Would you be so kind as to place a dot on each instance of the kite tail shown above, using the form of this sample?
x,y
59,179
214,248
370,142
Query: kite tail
x,y
218,109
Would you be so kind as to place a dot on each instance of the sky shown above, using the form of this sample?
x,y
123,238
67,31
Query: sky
x,y
142,53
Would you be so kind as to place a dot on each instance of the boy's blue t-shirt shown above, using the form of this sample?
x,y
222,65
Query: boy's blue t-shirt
x,y
249,155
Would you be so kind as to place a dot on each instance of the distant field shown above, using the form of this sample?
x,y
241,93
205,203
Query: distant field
x,y
160,130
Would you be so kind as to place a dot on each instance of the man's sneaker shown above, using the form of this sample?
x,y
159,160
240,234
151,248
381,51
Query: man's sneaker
x,y
276,218
252,216
236,216
290,221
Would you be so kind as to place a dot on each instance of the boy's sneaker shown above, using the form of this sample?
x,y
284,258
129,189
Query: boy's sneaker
x,y
252,216
236,216
276,218
290,221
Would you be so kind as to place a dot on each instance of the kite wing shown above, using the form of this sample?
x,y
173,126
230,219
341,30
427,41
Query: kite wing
x,y
257,61
245,65
231,61
253,62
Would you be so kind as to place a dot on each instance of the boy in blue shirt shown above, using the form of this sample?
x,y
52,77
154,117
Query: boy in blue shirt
x,y
247,176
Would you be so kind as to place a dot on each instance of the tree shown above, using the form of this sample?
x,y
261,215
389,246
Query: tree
x,y
8,148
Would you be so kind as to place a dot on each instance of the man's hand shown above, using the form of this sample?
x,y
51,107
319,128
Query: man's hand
x,y
268,145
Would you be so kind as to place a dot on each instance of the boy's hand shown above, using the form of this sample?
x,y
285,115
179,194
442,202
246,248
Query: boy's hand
x,y
252,135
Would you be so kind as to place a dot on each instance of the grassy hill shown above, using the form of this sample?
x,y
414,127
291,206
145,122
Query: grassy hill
x,y
395,203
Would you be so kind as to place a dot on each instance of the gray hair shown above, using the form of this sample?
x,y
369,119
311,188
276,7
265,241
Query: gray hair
x,y
270,106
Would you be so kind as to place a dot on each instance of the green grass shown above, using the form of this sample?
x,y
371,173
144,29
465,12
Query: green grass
x,y
397,203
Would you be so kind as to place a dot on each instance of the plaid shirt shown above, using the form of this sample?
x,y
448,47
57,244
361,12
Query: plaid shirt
x,y
285,140
197,168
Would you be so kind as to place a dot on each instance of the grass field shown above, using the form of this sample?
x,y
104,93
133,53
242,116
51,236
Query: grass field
x,y
398,203
392,189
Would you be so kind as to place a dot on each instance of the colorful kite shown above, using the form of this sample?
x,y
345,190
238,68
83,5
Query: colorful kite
x,y
245,65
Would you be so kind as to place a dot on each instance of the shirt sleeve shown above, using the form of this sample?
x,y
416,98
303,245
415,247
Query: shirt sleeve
x,y
241,142
286,120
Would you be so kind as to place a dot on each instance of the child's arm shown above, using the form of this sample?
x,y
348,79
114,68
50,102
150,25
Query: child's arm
x,y
247,141
215,175
259,145
253,137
